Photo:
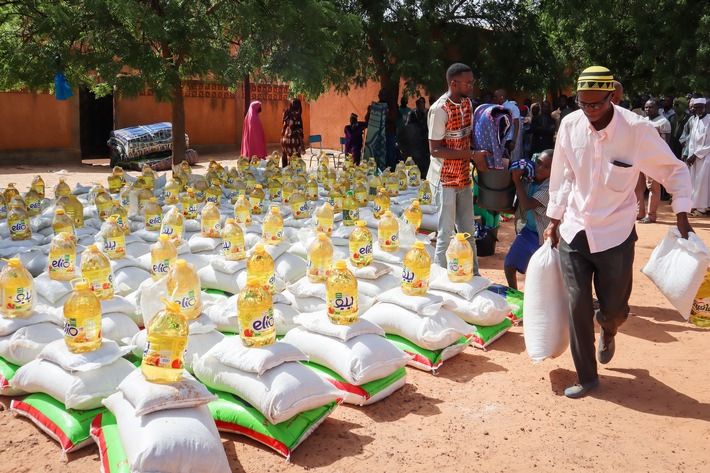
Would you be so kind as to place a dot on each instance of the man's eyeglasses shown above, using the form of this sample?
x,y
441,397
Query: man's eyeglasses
x,y
467,84
593,105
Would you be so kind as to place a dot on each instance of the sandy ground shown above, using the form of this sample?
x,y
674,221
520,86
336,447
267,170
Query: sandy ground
x,y
486,410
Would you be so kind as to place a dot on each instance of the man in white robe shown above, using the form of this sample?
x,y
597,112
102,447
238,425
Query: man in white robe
x,y
698,159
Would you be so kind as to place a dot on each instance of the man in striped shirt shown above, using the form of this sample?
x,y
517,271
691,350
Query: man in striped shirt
x,y
450,127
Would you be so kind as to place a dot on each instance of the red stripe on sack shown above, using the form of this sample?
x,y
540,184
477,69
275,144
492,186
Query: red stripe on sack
x,y
44,420
420,359
98,433
350,388
259,437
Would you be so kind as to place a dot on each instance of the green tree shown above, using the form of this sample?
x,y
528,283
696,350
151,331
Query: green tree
x,y
416,40
659,46
133,45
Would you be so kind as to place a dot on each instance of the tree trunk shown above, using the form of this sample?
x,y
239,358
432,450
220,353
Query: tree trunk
x,y
247,94
178,118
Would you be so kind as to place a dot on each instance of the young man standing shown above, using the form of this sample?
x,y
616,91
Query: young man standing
x,y
600,151
647,213
450,127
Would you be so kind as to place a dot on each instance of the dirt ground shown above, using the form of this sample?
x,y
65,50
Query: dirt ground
x,y
486,410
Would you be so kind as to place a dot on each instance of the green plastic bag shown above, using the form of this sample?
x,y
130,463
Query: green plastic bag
x,y
235,415
67,426
104,431
484,336
428,360
7,371
365,394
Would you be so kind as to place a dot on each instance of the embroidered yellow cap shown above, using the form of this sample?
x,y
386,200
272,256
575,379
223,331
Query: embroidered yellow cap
x,y
596,78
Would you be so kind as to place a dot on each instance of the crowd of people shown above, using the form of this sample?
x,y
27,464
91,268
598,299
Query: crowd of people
x,y
580,171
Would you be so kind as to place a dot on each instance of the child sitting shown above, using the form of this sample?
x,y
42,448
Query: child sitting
x,y
532,205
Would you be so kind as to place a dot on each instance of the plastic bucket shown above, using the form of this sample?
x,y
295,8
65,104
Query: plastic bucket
x,y
496,191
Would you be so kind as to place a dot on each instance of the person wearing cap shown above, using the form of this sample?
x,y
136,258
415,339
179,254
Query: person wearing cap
x,y
600,151
353,138
698,150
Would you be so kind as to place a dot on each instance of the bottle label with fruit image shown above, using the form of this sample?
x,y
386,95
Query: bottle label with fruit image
x,y
17,298
165,353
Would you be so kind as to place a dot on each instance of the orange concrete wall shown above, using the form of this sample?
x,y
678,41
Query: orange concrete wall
x,y
331,111
35,121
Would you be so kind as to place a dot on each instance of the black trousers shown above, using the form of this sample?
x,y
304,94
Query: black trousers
x,y
612,273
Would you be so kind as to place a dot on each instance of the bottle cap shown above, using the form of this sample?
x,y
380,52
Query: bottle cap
x,y
60,212
215,182
253,281
360,223
322,236
257,186
79,284
92,248
14,262
171,306
259,248
163,237
418,245
341,264
181,263
382,189
388,213
230,221
415,203
462,236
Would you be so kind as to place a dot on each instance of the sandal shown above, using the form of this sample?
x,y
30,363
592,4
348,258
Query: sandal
x,y
696,213
646,220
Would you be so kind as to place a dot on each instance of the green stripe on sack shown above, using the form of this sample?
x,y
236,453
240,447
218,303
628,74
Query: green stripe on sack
x,y
434,356
233,410
372,388
115,457
7,369
217,292
74,425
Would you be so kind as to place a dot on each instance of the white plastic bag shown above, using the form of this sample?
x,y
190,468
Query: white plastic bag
x,y
58,353
232,352
485,308
546,305
26,343
677,267
319,322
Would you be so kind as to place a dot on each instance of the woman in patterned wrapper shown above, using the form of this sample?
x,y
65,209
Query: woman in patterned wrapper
x,y
292,132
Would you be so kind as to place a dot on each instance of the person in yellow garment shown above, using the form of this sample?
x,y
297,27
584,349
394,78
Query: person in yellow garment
x,y
599,153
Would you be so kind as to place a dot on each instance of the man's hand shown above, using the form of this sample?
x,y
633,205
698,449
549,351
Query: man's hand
x,y
691,160
479,160
551,232
683,224
517,174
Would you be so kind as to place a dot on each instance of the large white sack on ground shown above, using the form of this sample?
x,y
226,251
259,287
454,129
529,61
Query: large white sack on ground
x,y
677,267
175,440
27,342
319,322
290,268
432,332
53,291
78,390
485,309
315,304
58,353
374,287
119,304
129,279
42,313
279,394
232,352
118,327
197,345
468,290
360,360
147,397
546,305
426,304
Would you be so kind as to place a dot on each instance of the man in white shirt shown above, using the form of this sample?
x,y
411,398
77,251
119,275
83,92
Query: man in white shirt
x,y
600,151
698,150
647,213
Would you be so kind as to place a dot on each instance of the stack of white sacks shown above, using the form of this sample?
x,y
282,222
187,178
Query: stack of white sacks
x,y
167,427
